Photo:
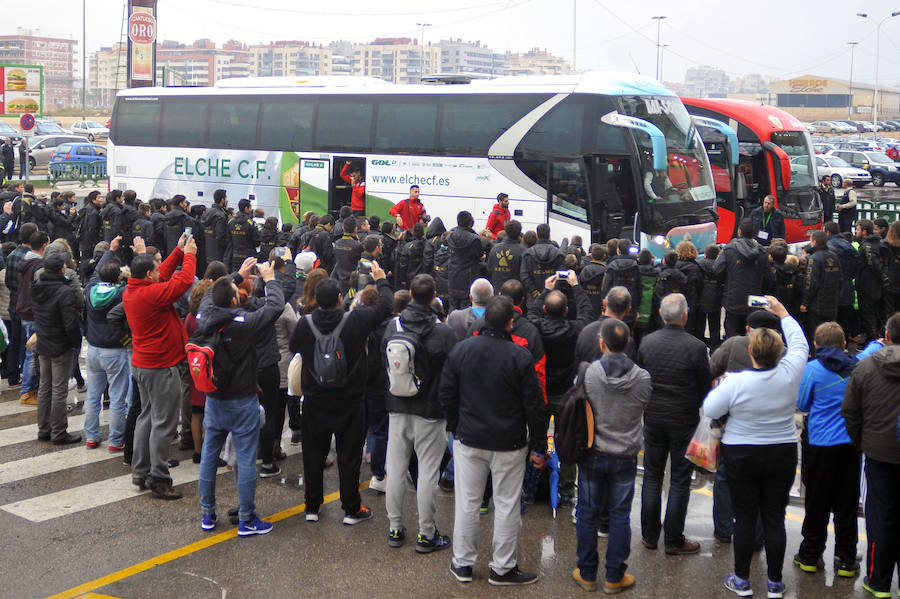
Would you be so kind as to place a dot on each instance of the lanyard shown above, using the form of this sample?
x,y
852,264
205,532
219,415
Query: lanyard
x,y
767,217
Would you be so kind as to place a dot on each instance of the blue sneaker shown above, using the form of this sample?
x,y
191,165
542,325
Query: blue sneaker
x,y
776,589
738,586
254,527
208,522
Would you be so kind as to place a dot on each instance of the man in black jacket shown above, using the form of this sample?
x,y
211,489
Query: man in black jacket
x,y
243,235
871,280
540,261
591,276
234,407
821,284
337,411
495,410
91,223
768,220
32,209
417,423
744,263
559,334
410,256
504,260
176,221
61,226
111,214
466,253
347,251
623,270
679,371
320,242
871,412
215,228
849,257
158,218
56,324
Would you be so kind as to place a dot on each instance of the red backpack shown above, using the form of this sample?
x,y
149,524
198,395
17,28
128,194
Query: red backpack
x,y
207,362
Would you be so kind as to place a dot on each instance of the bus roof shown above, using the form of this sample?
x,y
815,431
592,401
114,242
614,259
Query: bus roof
x,y
591,82
761,118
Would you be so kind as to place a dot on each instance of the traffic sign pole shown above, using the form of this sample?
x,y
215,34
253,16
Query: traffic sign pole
x,y
26,121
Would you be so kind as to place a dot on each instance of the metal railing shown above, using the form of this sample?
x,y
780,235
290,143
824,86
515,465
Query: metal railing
x,y
81,172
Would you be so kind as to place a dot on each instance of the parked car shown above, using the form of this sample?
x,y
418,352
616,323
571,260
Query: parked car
x,y
41,146
43,127
831,127
838,169
11,132
878,164
75,154
90,129
823,148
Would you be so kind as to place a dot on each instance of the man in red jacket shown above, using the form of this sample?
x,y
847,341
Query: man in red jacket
x,y
352,174
499,215
409,211
158,338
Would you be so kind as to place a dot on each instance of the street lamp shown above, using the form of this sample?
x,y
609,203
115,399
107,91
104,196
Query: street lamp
x,y
658,21
877,50
662,54
850,92
422,48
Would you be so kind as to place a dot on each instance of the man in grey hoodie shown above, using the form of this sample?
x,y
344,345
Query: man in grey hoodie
x,y
618,390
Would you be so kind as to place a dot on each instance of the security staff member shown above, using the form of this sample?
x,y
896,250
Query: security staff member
x,y
243,234
215,228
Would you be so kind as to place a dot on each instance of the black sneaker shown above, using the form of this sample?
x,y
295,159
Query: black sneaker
x,y
67,439
363,514
461,573
514,577
296,437
140,482
396,537
809,567
269,470
435,543
846,569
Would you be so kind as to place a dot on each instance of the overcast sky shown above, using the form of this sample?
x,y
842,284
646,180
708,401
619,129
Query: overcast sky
x,y
779,38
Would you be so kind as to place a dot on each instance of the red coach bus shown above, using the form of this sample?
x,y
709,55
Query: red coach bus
x,y
775,157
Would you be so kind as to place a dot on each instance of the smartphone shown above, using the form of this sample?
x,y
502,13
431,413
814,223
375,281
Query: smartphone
x,y
188,231
365,266
757,301
562,274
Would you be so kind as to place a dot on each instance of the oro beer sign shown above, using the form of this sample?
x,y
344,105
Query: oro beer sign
x,y
142,28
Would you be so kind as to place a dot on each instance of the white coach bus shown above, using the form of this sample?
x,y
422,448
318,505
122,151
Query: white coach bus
x,y
600,155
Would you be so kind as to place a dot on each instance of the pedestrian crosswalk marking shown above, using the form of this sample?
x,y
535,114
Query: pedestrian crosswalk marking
x,y
84,497
52,462
28,432
15,407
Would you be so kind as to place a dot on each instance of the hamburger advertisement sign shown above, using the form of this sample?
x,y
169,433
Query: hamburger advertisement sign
x,y
21,89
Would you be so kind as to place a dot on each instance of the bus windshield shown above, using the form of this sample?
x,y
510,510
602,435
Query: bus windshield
x,y
796,145
688,177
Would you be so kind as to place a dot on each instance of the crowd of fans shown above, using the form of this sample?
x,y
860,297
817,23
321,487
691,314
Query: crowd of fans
x,y
400,333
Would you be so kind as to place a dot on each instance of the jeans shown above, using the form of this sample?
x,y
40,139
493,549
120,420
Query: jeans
x,y
660,443
13,352
566,485
760,478
882,523
51,411
30,377
240,417
605,483
107,366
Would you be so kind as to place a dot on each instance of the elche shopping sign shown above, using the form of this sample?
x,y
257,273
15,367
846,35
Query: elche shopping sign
x,y
142,28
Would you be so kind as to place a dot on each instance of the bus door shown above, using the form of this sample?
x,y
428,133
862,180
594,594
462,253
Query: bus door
x,y
613,200
339,188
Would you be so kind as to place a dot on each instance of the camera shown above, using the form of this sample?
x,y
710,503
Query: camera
x,y
188,231
757,301
562,274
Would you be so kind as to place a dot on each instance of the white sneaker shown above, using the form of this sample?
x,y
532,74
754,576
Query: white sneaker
x,y
379,485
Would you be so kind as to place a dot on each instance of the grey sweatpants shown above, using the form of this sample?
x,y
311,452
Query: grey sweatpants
x,y
52,393
470,469
157,425
428,438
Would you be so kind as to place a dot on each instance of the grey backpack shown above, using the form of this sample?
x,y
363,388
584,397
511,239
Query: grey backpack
x,y
408,369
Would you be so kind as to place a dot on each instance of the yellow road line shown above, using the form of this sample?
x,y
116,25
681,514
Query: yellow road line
x,y
98,596
81,590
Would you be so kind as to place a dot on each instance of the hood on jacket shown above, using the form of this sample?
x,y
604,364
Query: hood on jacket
x,y
46,286
617,371
435,228
746,248
418,319
545,252
621,262
103,294
836,360
214,317
57,248
888,359
838,244
460,237
176,217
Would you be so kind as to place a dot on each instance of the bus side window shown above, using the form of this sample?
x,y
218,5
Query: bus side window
x,y
568,192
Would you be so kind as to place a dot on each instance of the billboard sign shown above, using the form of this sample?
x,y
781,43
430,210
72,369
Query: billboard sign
x,y
141,43
21,89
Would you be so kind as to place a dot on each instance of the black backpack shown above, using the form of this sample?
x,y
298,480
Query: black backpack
x,y
574,432
329,363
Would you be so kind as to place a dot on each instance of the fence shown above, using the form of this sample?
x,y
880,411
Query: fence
x,y
76,171
889,210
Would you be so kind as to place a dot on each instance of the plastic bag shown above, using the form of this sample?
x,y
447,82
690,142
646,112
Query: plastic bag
x,y
294,371
704,448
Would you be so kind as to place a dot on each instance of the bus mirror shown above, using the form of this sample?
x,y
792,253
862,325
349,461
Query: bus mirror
x,y
725,130
782,160
657,139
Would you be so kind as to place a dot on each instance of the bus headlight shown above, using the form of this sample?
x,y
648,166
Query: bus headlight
x,y
659,240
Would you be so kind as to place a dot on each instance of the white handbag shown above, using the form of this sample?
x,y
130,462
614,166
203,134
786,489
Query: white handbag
x,y
294,371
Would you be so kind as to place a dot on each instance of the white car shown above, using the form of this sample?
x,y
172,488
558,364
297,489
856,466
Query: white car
x,y
90,129
839,169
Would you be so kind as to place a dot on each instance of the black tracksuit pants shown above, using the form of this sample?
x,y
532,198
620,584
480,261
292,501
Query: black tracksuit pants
x,y
832,486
